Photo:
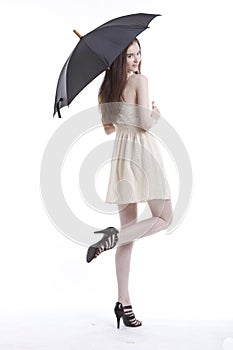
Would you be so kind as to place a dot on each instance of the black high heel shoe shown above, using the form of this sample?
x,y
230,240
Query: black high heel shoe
x,y
108,241
126,312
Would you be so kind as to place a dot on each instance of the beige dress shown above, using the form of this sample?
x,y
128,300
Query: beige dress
x,y
137,172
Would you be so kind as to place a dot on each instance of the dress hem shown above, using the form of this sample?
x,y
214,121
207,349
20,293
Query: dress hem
x,y
139,201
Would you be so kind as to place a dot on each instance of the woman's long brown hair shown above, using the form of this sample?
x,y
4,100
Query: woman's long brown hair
x,y
114,81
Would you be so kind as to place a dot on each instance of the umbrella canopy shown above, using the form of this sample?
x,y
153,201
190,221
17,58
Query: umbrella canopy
x,y
95,53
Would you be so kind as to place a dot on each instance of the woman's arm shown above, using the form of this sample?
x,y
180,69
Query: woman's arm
x,y
108,127
147,117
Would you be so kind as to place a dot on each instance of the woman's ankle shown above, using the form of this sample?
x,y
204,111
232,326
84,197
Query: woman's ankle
x,y
124,301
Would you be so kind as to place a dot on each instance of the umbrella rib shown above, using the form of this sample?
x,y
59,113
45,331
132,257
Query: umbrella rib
x,y
103,61
117,26
141,27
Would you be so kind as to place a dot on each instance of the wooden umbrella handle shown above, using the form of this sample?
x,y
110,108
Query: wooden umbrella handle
x,y
77,33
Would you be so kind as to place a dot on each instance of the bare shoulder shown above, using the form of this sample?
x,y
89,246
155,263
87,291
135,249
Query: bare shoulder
x,y
139,79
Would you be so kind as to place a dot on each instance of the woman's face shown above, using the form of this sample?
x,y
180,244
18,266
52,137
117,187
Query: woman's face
x,y
133,57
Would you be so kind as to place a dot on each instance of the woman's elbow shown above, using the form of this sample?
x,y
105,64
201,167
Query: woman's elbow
x,y
109,130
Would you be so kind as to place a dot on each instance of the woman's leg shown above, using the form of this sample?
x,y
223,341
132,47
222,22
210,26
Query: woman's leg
x,y
161,210
128,216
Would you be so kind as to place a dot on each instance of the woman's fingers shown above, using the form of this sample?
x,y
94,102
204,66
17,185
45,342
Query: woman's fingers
x,y
155,111
153,105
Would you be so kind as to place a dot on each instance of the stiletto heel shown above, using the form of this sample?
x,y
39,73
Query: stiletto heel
x,y
108,241
118,322
109,230
127,314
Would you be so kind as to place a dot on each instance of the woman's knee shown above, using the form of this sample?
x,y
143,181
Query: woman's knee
x,y
162,208
168,220
164,211
168,217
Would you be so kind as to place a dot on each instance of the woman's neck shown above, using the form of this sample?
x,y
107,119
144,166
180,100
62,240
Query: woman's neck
x,y
129,74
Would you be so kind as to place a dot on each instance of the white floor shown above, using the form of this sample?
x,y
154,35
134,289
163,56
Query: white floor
x,y
75,330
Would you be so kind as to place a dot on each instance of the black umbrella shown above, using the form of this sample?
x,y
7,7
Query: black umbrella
x,y
95,53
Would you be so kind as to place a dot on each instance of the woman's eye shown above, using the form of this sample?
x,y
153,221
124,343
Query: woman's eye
x,y
138,54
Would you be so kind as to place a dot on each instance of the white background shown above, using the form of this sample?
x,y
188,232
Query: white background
x,y
188,60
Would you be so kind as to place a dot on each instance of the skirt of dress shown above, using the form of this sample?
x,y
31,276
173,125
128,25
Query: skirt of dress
x,y
137,171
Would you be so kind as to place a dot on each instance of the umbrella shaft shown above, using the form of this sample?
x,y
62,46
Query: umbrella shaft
x,y
77,33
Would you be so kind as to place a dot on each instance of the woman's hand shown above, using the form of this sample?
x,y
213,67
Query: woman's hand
x,y
155,114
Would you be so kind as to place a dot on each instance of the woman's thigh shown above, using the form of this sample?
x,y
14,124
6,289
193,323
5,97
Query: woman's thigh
x,y
128,213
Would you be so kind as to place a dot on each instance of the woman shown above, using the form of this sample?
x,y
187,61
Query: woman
x,y
124,101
